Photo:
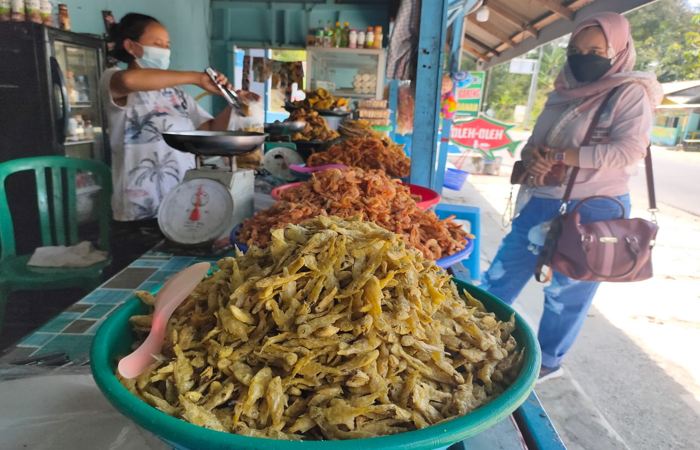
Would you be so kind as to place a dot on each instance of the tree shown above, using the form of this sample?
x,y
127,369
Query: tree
x,y
666,36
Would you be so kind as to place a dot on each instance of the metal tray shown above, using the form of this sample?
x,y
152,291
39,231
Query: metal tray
x,y
215,143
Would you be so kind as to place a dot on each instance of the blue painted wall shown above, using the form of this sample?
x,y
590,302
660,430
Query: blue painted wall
x,y
269,24
265,23
186,20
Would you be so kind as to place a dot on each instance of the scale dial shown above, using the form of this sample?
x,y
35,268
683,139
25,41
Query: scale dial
x,y
277,161
197,211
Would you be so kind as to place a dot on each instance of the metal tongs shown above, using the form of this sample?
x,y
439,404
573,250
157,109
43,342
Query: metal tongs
x,y
230,96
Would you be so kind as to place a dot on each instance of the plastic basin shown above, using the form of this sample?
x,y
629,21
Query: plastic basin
x,y
454,179
450,260
429,198
114,339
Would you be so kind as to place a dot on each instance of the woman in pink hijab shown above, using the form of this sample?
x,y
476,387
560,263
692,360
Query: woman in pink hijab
x,y
600,57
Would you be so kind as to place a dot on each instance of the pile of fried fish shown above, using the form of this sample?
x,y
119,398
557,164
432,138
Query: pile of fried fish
x,y
336,330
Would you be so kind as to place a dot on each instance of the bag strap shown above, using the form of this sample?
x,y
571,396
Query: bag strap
x,y
586,140
650,182
648,166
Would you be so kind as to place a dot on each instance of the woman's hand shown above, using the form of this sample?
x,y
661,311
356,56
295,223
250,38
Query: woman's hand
x,y
208,85
539,164
526,154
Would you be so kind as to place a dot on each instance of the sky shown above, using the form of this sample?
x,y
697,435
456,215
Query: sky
x,y
694,3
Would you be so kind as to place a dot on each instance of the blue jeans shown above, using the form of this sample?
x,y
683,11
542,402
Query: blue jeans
x,y
566,301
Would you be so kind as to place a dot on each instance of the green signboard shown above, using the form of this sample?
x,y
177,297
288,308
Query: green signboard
x,y
469,95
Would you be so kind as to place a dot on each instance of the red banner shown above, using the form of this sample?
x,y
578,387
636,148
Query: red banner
x,y
482,134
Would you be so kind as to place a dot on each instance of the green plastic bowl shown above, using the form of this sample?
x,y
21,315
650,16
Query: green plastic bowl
x,y
114,339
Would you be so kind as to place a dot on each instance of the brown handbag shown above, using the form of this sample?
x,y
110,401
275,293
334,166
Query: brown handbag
x,y
607,250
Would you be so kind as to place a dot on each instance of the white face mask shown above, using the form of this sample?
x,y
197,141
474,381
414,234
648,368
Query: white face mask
x,y
154,57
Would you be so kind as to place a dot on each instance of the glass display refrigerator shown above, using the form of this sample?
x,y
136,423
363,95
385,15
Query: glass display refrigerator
x,y
49,105
357,73
49,91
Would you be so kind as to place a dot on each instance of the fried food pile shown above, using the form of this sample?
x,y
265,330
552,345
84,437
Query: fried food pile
x,y
366,153
358,128
372,196
316,128
337,330
322,100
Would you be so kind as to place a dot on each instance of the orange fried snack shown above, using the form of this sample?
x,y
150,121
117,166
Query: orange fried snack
x,y
352,192
366,153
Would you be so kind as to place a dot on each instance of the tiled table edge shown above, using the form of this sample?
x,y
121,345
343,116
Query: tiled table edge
x,y
72,330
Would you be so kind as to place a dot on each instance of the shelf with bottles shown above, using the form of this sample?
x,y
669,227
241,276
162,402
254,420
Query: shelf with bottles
x,y
342,36
80,130
78,87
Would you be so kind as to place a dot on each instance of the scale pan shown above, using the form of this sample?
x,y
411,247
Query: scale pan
x,y
286,127
215,143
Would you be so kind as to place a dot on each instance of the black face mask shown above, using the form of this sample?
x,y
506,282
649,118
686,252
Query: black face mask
x,y
587,68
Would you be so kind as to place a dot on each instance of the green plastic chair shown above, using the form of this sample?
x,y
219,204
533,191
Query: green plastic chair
x,y
58,224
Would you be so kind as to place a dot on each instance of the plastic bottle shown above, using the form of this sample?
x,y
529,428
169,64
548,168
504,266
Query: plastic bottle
x,y
80,127
32,11
5,10
46,13
89,130
345,36
328,36
337,35
17,10
352,39
369,38
378,37
361,39
320,33
63,17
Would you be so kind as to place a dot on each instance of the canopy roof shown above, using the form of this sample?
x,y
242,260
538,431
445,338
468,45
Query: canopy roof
x,y
516,27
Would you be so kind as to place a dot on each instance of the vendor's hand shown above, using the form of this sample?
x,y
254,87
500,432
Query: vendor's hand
x,y
208,85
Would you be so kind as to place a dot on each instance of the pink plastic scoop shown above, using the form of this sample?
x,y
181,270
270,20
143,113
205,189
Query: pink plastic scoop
x,y
310,169
173,292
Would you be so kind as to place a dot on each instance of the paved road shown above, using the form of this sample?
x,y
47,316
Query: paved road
x,y
677,179
632,380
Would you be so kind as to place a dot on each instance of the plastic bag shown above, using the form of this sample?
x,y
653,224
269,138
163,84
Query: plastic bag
x,y
49,408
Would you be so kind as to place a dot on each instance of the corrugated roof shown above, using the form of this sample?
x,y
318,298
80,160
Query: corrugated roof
x,y
678,86
516,26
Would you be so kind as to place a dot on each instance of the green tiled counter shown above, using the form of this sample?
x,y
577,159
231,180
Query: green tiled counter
x,y
72,330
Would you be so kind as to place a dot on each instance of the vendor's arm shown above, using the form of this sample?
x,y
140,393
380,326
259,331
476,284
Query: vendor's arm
x,y
629,135
124,82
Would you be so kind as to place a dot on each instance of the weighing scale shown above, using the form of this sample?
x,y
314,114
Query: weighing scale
x,y
280,152
211,200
